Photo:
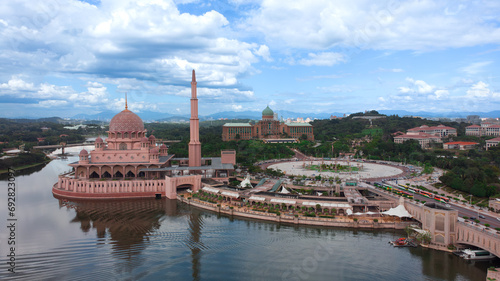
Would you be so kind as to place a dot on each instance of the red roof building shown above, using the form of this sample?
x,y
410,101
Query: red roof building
x,y
439,131
423,139
462,145
492,142
486,129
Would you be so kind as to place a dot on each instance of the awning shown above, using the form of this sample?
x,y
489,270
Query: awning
x,y
210,189
283,201
257,198
230,194
399,211
323,204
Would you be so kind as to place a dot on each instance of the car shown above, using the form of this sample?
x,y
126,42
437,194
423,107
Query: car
x,y
498,219
481,216
472,218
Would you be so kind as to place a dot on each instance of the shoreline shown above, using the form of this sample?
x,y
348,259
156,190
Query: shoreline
x,y
24,167
300,220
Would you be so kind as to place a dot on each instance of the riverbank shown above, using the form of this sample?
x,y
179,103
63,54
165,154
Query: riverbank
x,y
20,168
293,219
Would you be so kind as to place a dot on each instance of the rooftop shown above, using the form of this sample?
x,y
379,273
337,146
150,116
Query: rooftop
x,y
237,125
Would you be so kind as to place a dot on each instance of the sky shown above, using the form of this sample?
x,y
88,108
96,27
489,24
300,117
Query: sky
x,y
67,57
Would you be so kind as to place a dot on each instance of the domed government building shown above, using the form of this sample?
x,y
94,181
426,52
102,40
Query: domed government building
x,y
269,129
131,164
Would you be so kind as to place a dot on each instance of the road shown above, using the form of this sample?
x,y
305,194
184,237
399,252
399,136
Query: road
x,y
464,212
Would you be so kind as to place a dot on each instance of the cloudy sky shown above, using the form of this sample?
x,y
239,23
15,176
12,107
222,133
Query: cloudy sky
x,y
65,57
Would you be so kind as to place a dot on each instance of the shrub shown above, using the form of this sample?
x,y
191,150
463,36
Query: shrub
x,y
466,217
355,219
487,224
375,220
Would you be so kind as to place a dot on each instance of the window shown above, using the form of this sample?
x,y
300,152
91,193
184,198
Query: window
x,y
123,146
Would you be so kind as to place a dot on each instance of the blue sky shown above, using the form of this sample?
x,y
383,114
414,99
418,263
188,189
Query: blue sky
x,y
62,58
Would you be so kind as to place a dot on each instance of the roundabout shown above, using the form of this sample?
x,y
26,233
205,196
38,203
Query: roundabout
x,y
340,169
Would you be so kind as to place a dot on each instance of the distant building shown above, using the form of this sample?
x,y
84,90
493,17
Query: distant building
x,y
426,135
423,139
486,129
474,119
492,142
462,145
268,127
439,131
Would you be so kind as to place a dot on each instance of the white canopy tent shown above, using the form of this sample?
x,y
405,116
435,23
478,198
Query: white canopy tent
x,y
246,182
399,211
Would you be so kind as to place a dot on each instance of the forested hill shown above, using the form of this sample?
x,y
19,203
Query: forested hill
x,y
325,130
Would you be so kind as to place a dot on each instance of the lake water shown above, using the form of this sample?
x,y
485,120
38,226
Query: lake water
x,y
165,240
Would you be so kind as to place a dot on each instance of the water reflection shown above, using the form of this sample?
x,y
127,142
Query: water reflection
x,y
127,223
25,172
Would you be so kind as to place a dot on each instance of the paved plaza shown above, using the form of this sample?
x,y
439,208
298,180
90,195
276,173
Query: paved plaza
x,y
366,170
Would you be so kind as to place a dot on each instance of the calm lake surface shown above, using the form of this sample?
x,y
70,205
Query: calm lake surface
x,y
165,240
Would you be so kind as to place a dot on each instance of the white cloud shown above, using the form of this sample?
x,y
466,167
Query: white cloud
x,y
439,95
481,90
322,59
272,103
52,103
16,83
380,69
475,68
396,25
263,52
237,107
416,87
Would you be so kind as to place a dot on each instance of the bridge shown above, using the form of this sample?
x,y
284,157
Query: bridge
x,y
62,145
447,228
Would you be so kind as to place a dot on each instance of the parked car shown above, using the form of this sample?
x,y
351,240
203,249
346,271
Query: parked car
x,y
472,218
481,216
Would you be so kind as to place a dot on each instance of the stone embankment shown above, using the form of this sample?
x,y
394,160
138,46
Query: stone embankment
x,y
291,219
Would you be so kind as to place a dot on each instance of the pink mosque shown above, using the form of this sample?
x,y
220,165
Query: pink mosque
x,y
130,164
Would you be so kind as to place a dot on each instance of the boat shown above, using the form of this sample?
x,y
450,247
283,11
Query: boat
x,y
403,242
469,254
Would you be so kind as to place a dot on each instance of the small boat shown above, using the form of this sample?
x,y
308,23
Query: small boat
x,y
403,242
469,254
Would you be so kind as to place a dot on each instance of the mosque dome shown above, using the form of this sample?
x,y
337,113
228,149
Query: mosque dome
x,y
99,140
144,139
126,121
267,112
84,152
154,150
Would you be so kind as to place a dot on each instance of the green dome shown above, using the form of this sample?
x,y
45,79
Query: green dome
x,y
267,112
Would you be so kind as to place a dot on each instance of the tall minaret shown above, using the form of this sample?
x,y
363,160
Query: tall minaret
x,y
194,126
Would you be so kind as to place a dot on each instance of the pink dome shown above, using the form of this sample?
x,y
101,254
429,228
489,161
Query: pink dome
x,y
99,140
144,139
84,152
126,121
154,151
152,137
163,146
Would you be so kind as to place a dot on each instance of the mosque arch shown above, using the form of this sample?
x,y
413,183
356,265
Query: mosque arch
x,y
118,174
125,135
94,175
122,146
130,174
106,175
